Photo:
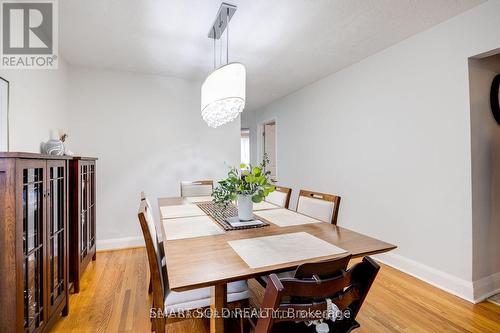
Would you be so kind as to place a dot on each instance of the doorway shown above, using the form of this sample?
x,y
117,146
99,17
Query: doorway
x,y
245,145
484,71
269,147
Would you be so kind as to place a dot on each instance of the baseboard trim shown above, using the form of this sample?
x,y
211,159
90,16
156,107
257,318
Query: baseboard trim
x,y
486,287
119,243
447,282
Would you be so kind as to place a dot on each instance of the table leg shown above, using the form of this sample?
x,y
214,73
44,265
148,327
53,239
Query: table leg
x,y
219,302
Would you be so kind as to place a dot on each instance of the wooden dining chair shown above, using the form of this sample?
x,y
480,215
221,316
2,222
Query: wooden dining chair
x,y
321,206
196,188
166,301
280,197
305,297
157,239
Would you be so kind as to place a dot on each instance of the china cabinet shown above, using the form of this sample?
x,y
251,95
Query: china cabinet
x,y
82,216
33,241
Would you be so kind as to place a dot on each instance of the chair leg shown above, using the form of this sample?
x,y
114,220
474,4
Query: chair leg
x,y
150,288
242,325
160,325
153,325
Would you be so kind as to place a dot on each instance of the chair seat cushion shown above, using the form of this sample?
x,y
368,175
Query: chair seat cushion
x,y
200,298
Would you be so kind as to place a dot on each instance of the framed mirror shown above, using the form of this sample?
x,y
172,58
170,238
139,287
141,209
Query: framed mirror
x,y
495,98
4,115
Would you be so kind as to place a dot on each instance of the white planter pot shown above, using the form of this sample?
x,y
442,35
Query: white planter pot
x,y
245,207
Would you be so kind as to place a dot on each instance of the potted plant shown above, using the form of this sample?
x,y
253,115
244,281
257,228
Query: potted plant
x,y
246,185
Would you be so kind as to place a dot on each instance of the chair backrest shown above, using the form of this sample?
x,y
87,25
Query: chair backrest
x,y
306,296
321,206
148,227
196,188
280,197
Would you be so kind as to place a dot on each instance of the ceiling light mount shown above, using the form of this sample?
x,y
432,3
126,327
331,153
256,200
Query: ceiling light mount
x,y
224,15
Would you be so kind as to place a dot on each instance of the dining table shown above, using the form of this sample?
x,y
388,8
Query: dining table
x,y
207,256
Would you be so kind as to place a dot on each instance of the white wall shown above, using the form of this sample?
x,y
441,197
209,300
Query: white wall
x,y
485,143
391,135
38,105
148,134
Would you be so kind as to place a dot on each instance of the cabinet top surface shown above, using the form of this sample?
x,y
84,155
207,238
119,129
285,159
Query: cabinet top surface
x,y
44,156
33,156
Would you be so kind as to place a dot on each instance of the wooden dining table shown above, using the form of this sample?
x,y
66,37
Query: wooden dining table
x,y
210,261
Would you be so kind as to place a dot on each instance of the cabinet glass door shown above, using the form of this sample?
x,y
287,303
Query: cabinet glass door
x,y
56,224
33,247
91,215
84,211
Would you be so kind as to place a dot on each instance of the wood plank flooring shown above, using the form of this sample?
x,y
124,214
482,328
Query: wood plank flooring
x,y
113,298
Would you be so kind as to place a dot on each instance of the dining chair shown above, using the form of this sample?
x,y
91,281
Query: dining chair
x,y
280,197
196,188
157,239
166,300
321,206
316,289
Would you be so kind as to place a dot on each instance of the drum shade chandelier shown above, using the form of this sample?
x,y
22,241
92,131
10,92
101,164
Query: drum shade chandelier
x,y
223,92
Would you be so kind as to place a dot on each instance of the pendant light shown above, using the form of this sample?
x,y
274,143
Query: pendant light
x,y
223,92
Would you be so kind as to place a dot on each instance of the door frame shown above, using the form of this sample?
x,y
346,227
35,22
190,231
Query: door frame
x,y
260,141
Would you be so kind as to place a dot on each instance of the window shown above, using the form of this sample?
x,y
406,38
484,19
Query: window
x,y
245,145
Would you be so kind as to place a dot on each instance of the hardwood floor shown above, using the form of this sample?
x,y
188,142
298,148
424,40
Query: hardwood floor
x,y
113,298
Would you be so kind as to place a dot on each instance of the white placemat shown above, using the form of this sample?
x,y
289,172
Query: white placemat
x,y
169,212
264,205
283,217
199,199
190,227
280,249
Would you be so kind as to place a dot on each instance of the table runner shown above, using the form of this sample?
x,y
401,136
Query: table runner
x,y
220,216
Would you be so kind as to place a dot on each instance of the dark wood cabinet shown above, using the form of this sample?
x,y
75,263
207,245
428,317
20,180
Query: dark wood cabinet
x,y
82,216
33,241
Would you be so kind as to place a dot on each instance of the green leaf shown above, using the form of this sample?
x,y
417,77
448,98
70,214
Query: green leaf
x,y
256,171
257,198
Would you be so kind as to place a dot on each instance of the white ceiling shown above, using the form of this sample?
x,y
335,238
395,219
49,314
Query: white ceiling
x,y
285,44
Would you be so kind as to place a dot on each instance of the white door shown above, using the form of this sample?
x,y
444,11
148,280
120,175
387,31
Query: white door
x,y
270,147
